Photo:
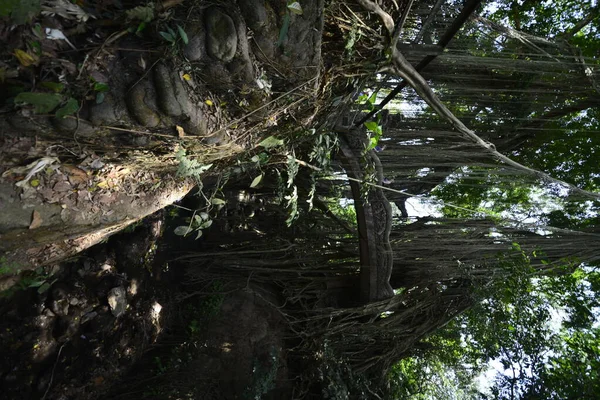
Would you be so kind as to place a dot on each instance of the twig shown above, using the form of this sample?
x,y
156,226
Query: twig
x,y
53,369
143,76
144,133
234,122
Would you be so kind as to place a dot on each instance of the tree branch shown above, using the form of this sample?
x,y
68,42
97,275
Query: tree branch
x,y
405,70
385,18
581,24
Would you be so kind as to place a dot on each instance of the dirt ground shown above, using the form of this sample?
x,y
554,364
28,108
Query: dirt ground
x,y
116,323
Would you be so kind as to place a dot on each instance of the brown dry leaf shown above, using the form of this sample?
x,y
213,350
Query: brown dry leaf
x,y
36,220
62,186
180,131
98,380
76,175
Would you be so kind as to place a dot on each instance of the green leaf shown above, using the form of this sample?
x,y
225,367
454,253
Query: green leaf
x,y
167,36
20,11
43,103
101,87
182,230
199,234
285,26
271,141
182,34
54,86
68,109
100,97
373,143
373,98
44,288
372,126
140,27
217,202
206,224
141,13
256,181
36,283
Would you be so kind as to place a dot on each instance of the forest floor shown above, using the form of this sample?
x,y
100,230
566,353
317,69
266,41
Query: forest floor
x,y
117,322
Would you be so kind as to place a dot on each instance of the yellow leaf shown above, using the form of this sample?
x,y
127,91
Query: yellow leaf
x,y
34,182
103,185
25,58
180,131
187,77
210,103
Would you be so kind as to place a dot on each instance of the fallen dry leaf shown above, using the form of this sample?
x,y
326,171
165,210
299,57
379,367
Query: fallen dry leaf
x,y
98,380
180,131
25,58
76,175
36,220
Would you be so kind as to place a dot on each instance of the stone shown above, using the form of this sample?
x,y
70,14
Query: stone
x,y
172,98
141,102
221,35
117,300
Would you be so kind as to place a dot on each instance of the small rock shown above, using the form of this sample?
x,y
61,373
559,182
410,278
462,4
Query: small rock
x,y
117,300
221,35
141,101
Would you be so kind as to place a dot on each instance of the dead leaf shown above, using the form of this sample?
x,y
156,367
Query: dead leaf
x,y
102,185
98,380
61,186
142,63
76,175
180,131
36,220
25,58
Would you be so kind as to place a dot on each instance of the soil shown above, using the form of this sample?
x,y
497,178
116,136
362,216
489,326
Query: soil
x,y
65,335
